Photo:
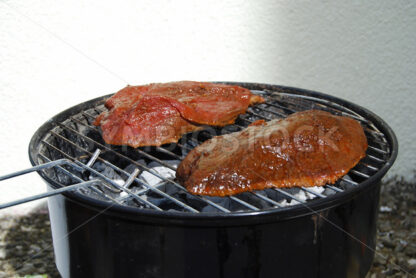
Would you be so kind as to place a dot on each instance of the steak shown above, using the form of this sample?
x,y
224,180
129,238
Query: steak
x,y
310,148
155,114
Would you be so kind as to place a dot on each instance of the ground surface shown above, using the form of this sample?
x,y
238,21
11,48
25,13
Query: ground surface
x,y
26,245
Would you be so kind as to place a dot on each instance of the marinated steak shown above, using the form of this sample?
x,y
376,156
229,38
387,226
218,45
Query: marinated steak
x,y
150,122
310,148
155,114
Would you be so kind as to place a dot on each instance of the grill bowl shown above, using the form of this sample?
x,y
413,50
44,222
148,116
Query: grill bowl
x,y
324,237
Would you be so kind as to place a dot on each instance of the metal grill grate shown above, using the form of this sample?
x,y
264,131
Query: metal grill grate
x,y
78,143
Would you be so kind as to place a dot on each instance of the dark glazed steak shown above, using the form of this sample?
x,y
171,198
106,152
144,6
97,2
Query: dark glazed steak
x,y
310,148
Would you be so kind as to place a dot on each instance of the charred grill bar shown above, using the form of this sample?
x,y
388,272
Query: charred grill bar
x,y
123,224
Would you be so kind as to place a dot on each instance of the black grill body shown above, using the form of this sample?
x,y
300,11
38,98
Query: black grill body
x,y
113,245
329,237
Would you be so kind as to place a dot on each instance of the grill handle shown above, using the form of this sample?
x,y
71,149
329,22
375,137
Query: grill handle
x,y
58,163
49,193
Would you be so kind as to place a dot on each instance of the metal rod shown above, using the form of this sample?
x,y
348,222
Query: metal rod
x,y
289,195
280,115
281,106
377,150
375,158
349,181
371,167
47,194
313,192
267,199
215,205
259,116
358,173
334,188
241,202
131,178
93,158
33,169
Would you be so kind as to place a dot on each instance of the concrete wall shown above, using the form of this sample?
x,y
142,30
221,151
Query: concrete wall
x,y
55,54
